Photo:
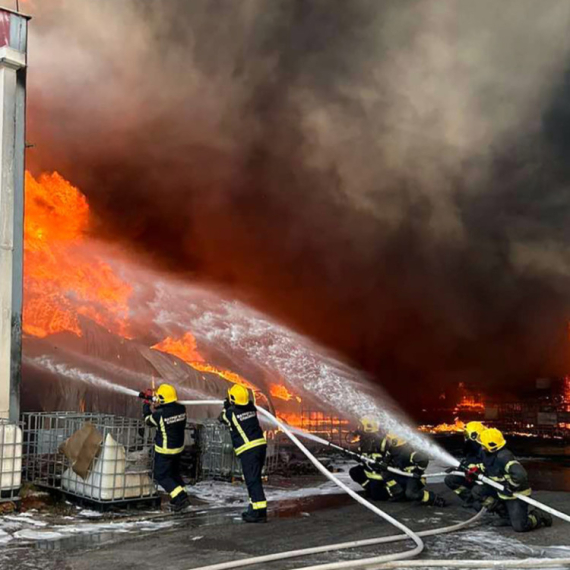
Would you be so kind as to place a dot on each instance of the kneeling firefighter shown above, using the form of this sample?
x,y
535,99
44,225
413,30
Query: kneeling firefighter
x,y
500,465
240,415
471,462
169,417
370,447
400,454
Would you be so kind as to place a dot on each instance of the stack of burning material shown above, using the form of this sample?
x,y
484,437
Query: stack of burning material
x,y
98,457
10,460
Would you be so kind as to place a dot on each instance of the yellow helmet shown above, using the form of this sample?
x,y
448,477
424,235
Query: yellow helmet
x,y
492,440
395,440
238,395
369,425
166,394
473,430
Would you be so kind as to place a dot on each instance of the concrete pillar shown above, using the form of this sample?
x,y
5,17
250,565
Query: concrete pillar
x,y
13,49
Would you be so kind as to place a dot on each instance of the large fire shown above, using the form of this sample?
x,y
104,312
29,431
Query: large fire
x,y
65,278
61,282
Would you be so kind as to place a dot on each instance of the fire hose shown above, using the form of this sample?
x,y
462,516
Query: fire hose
x,y
390,560
377,560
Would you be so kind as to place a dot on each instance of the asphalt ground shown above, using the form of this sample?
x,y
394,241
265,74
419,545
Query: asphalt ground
x,y
220,535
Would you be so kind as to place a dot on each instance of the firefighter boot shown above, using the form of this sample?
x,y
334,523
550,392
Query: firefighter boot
x,y
180,502
439,501
542,518
254,515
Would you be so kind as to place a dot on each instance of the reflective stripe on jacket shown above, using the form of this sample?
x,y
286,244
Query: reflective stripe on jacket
x,y
170,423
504,468
244,427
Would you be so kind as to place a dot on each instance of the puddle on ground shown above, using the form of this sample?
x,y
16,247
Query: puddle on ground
x,y
214,516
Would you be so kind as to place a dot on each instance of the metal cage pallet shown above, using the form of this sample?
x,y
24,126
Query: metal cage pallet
x,y
10,460
120,472
217,457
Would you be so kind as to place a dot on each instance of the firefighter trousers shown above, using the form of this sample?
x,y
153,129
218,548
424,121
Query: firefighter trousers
x,y
375,488
403,488
252,462
167,473
513,511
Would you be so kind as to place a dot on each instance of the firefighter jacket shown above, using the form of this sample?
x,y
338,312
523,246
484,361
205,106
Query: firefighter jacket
x,y
170,423
405,458
503,467
370,446
244,426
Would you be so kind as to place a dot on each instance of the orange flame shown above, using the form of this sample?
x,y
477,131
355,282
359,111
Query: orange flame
x,y
60,282
186,349
469,404
281,392
457,426
312,421
566,392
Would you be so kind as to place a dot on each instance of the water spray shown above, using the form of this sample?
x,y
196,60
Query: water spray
x,y
378,562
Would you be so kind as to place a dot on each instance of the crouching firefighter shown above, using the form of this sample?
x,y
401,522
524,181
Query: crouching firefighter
x,y
240,415
470,464
500,465
398,453
370,478
169,419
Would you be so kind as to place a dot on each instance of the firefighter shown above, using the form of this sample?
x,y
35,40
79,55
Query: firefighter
x,y
169,419
501,465
240,415
370,447
472,458
398,453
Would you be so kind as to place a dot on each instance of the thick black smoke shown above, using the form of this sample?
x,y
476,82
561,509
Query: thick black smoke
x,y
388,177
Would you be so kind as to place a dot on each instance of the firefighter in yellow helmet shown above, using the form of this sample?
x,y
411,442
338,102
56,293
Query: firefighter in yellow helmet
x,y
240,415
163,412
400,454
470,464
501,465
370,447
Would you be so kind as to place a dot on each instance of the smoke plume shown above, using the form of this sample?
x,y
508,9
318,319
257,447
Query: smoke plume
x,y
390,178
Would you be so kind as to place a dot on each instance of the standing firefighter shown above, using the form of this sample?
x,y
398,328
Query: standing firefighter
x,y
501,465
471,463
370,447
240,415
400,454
169,418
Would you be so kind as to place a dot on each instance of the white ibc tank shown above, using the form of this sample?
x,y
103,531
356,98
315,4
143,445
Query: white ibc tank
x,y
108,479
10,456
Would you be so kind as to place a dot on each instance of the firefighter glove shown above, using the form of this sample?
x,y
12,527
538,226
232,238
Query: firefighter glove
x,y
379,466
147,396
472,474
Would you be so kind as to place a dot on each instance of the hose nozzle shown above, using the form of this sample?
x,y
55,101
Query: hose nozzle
x,y
147,395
